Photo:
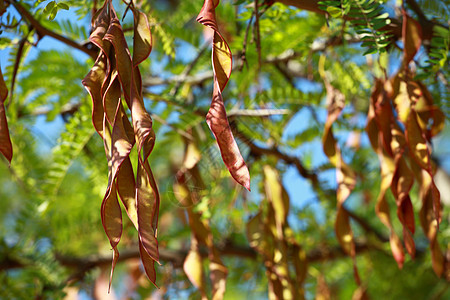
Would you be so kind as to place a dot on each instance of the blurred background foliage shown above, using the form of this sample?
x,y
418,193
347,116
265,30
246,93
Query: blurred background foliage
x,y
52,243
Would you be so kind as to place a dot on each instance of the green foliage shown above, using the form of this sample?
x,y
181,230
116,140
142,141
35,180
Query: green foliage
x,y
438,52
52,8
436,9
72,30
167,41
367,20
72,142
51,85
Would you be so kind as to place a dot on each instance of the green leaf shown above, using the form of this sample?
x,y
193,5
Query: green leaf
x,y
334,11
63,6
370,51
53,14
49,7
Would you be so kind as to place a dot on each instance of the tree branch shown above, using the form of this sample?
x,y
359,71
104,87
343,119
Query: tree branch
x,y
257,35
197,79
395,28
310,175
188,69
177,257
257,112
274,151
286,57
42,31
367,227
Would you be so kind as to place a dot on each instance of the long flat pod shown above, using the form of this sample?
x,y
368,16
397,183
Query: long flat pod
x,y
5,141
217,117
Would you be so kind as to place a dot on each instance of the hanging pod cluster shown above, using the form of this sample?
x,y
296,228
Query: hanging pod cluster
x,y
404,150
114,77
401,122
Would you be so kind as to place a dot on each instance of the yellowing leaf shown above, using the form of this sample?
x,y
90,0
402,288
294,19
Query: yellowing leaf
x,y
192,156
257,236
193,266
222,60
412,37
416,142
277,196
402,101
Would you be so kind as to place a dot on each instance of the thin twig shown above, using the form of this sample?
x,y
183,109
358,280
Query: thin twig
x,y
258,36
6,26
188,69
130,4
257,112
16,67
244,44
17,178
274,151
366,226
177,130
196,79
